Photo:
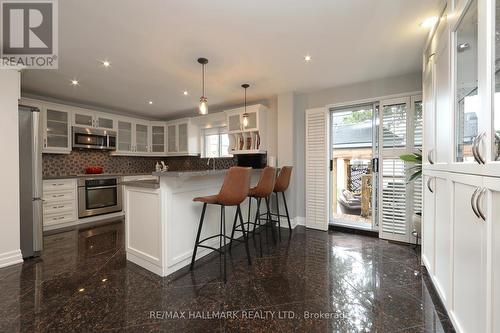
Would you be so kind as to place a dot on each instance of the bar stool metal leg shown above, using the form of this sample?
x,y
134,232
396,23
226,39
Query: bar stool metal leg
x,y
198,236
287,215
223,233
234,228
245,235
269,219
257,216
278,215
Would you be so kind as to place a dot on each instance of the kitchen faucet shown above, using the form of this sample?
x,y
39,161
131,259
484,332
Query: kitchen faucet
x,y
211,158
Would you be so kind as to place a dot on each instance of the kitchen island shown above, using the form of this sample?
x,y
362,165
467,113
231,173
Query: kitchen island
x,y
161,219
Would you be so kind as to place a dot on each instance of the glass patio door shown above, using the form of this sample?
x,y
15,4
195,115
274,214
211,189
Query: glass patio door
x,y
353,179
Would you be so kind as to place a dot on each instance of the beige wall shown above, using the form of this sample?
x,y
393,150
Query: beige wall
x,y
9,168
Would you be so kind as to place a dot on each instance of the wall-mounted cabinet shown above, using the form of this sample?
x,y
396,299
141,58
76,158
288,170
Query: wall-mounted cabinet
x,y
56,130
182,138
100,120
249,137
158,138
135,137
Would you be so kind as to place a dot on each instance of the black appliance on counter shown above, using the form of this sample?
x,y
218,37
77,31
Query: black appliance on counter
x,y
255,161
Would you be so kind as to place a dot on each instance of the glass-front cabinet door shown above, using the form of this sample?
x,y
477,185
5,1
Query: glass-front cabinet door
x,y
57,136
496,90
158,138
467,110
141,138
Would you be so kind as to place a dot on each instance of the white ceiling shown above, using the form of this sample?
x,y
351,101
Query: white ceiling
x,y
153,46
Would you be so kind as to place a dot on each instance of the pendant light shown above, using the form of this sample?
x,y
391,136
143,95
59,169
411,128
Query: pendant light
x,y
245,114
203,108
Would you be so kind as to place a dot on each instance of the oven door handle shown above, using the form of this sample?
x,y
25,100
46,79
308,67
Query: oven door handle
x,y
101,187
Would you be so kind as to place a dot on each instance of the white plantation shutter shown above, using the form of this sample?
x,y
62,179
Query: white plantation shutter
x,y
397,138
394,217
317,159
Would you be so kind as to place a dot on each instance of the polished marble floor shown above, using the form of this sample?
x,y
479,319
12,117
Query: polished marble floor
x,y
310,282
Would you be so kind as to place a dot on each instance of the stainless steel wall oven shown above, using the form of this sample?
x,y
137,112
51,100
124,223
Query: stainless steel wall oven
x,y
98,196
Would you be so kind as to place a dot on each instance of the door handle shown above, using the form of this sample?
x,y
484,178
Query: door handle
x,y
429,156
473,202
478,204
429,185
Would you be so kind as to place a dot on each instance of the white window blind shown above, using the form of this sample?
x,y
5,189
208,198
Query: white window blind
x,y
317,159
394,206
215,142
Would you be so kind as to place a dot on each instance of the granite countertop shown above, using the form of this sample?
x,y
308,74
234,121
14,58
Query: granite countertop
x,y
95,175
190,173
145,183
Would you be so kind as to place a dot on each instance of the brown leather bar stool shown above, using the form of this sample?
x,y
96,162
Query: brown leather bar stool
x,y
281,185
233,191
263,190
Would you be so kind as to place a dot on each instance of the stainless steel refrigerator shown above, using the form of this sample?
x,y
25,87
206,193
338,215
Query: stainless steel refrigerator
x,y
30,181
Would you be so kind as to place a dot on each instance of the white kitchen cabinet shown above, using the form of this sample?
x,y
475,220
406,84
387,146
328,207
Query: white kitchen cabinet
x,y
442,230
235,119
125,137
249,139
492,211
88,118
158,138
468,308
428,224
56,130
141,131
182,138
59,202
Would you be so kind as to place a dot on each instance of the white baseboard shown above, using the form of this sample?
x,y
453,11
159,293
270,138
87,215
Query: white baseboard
x,y
10,258
298,220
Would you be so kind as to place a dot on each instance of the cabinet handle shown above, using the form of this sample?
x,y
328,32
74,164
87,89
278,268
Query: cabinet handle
x,y
429,156
45,142
473,202
429,185
475,148
478,204
58,218
479,140
57,195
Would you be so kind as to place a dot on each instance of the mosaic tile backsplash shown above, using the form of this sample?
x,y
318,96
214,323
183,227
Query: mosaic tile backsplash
x,y
76,162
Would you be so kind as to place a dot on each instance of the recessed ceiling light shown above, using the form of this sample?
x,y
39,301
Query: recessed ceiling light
x,y
429,22
185,93
75,82
307,58
106,63
150,102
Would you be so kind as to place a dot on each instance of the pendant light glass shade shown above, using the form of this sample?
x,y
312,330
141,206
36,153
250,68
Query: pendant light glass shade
x,y
245,114
203,107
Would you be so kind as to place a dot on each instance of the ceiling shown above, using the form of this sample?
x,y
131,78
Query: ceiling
x,y
153,46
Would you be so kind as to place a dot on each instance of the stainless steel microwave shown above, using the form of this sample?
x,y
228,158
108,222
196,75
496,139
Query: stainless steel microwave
x,y
92,138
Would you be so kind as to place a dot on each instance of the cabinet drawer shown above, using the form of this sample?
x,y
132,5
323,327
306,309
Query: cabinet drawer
x,y
58,207
58,218
58,185
59,196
